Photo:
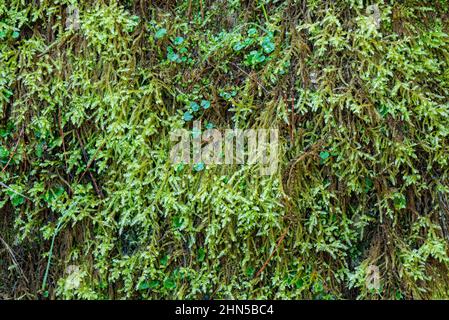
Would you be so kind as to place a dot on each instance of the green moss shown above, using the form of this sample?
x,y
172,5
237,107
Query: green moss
x,y
358,89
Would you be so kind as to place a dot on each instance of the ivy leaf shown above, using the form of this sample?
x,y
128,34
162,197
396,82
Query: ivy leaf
x,y
178,41
400,202
299,284
267,45
173,57
179,167
199,167
17,200
255,57
53,193
225,95
164,260
250,271
169,283
324,155
194,106
178,222
160,33
144,285
187,116
205,104
59,191
238,46
252,32
248,42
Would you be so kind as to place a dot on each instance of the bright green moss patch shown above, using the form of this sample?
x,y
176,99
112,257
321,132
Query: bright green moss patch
x,y
358,89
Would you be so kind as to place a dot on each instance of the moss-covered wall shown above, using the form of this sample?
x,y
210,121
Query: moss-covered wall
x,y
92,207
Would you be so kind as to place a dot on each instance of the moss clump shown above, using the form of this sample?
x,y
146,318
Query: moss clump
x,y
93,208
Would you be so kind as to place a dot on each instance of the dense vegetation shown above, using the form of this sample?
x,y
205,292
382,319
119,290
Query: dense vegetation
x,y
92,207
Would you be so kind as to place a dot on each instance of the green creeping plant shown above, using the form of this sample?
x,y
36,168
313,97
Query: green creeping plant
x,y
160,33
358,92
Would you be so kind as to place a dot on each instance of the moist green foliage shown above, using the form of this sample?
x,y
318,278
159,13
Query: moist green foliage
x,y
91,206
